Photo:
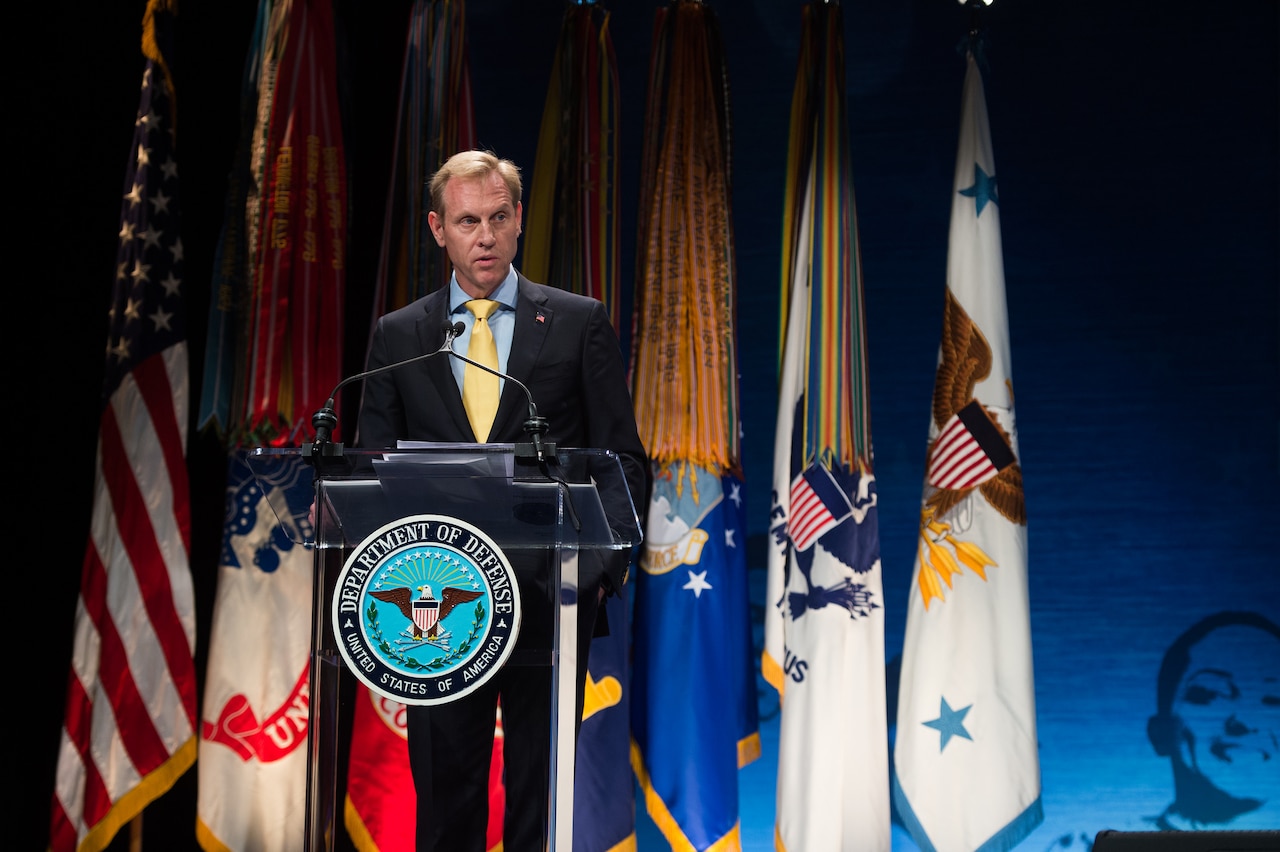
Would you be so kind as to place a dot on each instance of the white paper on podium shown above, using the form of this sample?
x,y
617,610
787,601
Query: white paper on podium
x,y
452,459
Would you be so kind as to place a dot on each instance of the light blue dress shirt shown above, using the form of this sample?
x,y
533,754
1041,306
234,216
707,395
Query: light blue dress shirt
x,y
502,323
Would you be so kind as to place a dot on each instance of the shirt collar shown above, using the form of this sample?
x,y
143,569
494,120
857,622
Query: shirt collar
x,y
505,295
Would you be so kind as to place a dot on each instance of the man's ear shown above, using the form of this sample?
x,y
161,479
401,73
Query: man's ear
x,y
1163,730
436,226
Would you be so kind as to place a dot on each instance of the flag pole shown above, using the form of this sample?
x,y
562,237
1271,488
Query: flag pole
x,y
975,15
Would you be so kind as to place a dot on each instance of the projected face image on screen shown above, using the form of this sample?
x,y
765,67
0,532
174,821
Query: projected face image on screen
x,y
1218,722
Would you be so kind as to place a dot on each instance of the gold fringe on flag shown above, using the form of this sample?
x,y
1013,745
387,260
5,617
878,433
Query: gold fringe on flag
x,y
685,379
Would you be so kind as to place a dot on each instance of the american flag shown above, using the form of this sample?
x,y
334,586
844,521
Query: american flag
x,y
130,724
818,503
968,451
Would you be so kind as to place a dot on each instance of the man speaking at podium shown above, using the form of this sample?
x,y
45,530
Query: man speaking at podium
x,y
562,347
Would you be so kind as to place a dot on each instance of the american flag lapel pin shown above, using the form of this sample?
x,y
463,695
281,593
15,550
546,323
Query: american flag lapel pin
x,y
541,317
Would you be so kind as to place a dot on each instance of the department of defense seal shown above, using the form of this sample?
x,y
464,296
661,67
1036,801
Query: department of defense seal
x,y
426,609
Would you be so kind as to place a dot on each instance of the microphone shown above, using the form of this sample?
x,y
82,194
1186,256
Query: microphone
x,y
535,425
326,418
536,450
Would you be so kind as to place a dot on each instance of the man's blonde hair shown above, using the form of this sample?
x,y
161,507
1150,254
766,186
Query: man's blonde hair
x,y
471,165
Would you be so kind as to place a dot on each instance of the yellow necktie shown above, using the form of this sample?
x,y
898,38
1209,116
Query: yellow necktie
x,y
480,389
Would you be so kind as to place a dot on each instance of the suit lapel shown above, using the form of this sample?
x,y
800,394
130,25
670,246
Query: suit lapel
x,y
533,318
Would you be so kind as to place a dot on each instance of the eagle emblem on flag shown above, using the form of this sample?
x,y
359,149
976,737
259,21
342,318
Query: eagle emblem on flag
x,y
832,506
972,451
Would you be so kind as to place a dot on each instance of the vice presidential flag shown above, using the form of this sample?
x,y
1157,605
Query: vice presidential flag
x,y
693,710
824,616
967,770
130,724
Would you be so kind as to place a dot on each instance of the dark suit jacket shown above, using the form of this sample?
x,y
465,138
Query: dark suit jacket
x,y
564,349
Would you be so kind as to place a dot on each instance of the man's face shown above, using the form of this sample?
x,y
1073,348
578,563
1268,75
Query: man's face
x,y
1229,704
480,229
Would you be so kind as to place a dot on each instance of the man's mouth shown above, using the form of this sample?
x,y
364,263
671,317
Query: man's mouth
x,y
1222,749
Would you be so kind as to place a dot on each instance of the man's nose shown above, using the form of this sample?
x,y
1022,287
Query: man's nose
x,y
1236,728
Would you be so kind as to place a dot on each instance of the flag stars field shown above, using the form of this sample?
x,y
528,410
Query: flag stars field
x,y
160,318
697,583
983,189
140,273
950,723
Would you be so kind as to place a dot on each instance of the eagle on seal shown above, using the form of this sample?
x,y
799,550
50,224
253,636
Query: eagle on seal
x,y
403,599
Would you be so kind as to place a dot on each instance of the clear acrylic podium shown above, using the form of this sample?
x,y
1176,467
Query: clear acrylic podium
x,y
570,503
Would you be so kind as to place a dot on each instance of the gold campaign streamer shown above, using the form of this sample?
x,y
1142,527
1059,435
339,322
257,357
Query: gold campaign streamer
x,y
685,382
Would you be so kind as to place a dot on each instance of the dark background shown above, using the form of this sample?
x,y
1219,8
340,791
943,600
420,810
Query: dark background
x,y
1136,147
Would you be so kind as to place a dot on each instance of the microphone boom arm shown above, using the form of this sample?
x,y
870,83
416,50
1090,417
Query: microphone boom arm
x,y
326,418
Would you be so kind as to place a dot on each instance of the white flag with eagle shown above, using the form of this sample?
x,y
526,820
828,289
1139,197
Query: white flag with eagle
x,y
967,772
824,615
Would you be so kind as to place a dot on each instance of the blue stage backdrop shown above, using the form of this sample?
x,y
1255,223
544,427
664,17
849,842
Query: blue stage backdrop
x,y
1136,159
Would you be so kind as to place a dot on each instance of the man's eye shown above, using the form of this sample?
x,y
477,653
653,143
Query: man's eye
x,y
1199,695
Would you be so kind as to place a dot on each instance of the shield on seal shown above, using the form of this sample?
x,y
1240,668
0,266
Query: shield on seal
x,y
426,612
